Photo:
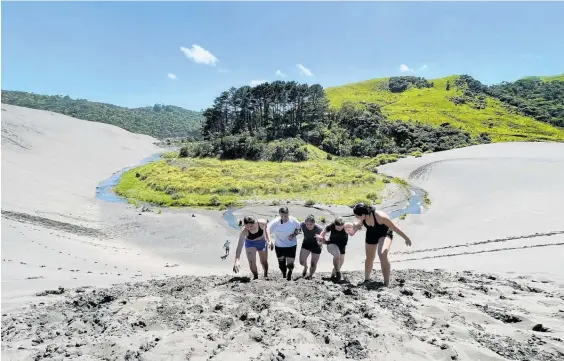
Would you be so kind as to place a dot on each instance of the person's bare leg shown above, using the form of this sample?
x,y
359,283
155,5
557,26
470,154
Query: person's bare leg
x,y
369,262
334,251
383,247
252,258
304,254
290,266
263,257
313,264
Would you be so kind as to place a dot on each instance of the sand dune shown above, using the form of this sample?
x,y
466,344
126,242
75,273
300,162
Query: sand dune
x,y
495,209
54,232
486,198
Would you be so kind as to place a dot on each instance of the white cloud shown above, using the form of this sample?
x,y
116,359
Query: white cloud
x,y
305,71
423,67
199,55
280,74
257,82
404,68
172,76
223,70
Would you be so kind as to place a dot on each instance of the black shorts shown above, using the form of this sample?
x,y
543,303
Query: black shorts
x,y
313,247
342,247
375,240
287,252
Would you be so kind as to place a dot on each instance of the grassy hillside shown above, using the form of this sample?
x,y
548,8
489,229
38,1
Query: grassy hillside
x,y
159,121
433,106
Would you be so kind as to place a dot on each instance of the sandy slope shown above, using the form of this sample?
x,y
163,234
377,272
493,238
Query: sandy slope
x,y
54,232
429,316
488,197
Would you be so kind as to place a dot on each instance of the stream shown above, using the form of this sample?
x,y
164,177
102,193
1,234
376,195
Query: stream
x,y
413,207
105,192
105,189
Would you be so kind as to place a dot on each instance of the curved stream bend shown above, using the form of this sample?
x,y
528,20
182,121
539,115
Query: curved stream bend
x,y
105,192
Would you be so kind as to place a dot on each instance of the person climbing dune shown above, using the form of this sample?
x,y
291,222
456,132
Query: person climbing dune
x,y
285,228
253,237
310,245
336,244
379,235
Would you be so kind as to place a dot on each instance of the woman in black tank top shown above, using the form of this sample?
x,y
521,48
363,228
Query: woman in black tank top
x,y
379,234
254,236
253,239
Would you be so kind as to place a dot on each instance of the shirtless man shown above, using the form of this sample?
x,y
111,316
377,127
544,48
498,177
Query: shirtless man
x,y
310,245
379,235
285,228
253,236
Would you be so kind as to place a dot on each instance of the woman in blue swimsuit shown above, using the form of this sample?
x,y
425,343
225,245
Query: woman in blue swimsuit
x,y
253,236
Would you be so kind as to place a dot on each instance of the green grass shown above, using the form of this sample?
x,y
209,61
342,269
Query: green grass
x,y
559,77
217,183
432,106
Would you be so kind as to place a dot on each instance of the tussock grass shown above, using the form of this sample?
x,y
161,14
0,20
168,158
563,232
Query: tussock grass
x,y
210,182
432,106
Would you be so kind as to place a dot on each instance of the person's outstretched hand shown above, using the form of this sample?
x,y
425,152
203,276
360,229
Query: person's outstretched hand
x,y
236,266
408,242
320,240
271,245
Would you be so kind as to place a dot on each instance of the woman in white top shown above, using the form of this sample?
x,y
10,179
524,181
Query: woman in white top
x,y
285,228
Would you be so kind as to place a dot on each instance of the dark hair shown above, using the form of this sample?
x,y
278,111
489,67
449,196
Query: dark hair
x,y
283,210
310,218
249,220
361,209
339,221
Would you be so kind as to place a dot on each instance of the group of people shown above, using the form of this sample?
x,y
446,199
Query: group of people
x,y
280,235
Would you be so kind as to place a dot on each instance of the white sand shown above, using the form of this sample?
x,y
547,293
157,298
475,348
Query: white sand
x,y
54,233
51,165
484,193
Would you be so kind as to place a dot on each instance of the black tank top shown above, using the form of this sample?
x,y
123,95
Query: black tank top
x,y
337,237
376,231
253,236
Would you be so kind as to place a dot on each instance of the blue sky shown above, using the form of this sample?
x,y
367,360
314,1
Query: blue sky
x,y
123,53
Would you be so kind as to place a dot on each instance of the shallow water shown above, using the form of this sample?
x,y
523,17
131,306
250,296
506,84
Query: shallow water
x,y
413,207
105,192
105,189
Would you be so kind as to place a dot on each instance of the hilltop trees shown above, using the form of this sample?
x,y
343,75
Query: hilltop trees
x,y
273,121
540,99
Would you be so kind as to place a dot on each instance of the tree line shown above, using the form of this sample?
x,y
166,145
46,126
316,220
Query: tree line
x,y
159,120
540,99
243,121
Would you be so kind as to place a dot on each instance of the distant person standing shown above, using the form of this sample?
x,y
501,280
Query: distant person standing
x,y
310,245
284,228
226,247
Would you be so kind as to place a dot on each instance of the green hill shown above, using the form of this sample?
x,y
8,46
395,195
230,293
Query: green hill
x,y
159,121
453,100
